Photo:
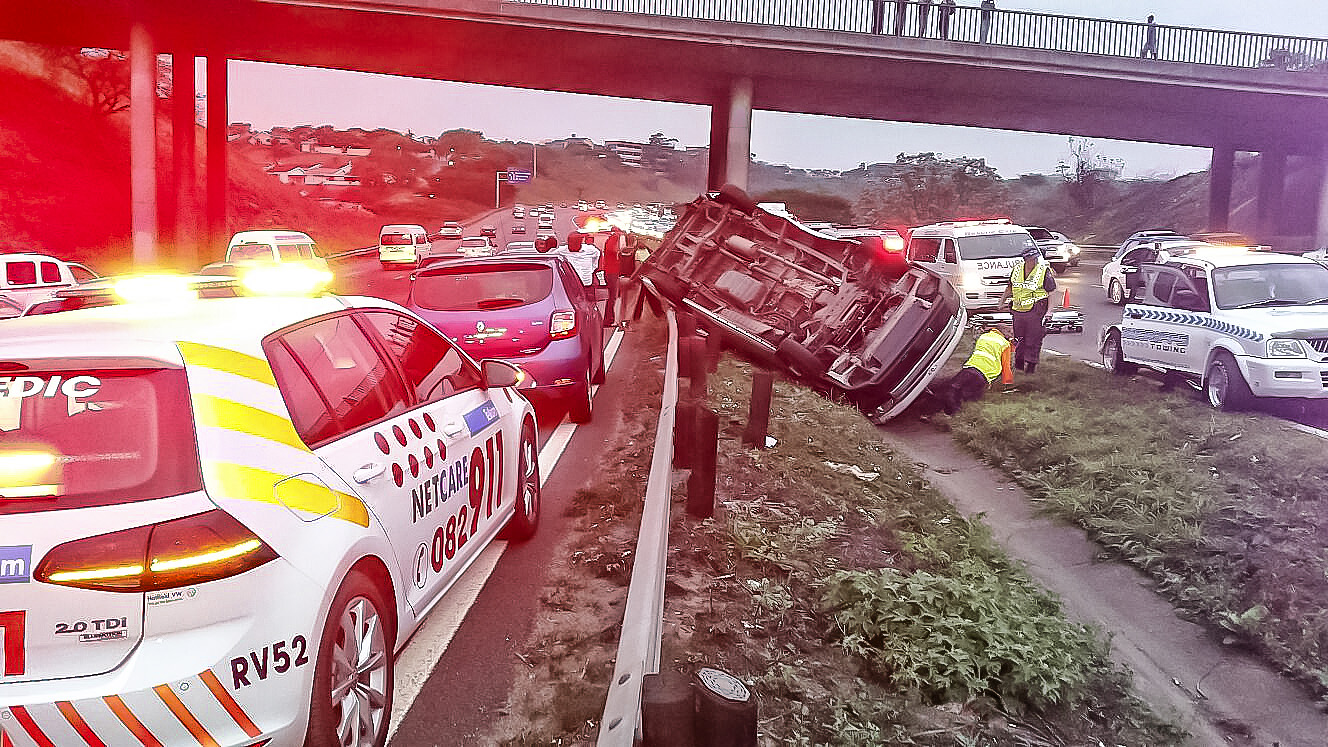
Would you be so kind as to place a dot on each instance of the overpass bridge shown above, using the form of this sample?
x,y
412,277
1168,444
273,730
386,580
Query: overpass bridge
x,y
1222,90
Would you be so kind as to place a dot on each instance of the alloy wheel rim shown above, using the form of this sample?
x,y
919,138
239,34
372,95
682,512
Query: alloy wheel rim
x,y
1217,385
359,674
529,476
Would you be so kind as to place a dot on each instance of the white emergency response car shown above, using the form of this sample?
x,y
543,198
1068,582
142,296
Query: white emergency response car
x,y
218,522
976,255
27,278
1242,324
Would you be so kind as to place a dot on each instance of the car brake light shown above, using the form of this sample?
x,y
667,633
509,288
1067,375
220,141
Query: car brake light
x,y
562,324
181,552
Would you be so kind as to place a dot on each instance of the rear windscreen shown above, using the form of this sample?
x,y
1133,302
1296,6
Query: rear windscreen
x,y
90,437
293,252
994,245
394,239
469,289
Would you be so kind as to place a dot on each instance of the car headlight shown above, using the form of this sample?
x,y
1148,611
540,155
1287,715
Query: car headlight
x,y
1283,347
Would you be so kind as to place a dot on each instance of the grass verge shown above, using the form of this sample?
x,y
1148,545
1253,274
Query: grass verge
x,y
1226,512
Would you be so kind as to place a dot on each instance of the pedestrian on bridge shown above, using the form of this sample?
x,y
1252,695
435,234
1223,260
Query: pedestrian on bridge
x,y
984,21
943,18
1150,40
1031,284
901,15
924,10
878,16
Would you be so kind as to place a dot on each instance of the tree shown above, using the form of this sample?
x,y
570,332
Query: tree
x,y
925,188
1088,173
103,74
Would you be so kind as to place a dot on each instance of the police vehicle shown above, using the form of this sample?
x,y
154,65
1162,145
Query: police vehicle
x,y
1240,324
220,517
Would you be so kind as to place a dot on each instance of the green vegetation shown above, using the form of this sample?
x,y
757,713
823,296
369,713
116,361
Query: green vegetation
x,y
865,610
1225,511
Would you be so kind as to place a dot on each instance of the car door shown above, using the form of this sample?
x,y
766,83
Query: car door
x,y
586,304
452,470
1155,331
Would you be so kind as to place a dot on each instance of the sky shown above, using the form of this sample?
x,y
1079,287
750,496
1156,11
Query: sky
x,y
267,95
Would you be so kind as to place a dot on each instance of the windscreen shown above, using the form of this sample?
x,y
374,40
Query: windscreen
x,y
994,245
1252,286
470,289
75,437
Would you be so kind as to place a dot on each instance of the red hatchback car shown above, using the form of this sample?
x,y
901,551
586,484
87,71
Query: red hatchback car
x,y
530,310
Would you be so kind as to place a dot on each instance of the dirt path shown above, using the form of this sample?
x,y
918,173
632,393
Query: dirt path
x,y
1222,696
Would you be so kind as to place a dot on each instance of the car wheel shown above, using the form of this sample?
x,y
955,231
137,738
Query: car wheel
x,y
734,196
798,358
1115,293
352,693
579,410
1224,386
525,521
1112,359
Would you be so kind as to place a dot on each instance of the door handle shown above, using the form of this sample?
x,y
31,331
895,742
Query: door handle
x,y
453,429
368,472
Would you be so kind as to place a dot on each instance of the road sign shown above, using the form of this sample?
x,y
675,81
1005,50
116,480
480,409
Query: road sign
x,y
517,176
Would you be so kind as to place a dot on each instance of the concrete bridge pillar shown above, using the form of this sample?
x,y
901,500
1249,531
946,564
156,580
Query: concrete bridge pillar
x,y
1220,176
143,144
1272,179
216,156
184,157
731,136
1321,216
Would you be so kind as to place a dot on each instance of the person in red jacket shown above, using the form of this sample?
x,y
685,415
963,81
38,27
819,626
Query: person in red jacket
x,y
609,263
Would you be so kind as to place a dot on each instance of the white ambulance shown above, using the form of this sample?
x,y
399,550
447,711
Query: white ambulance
x,y
976,255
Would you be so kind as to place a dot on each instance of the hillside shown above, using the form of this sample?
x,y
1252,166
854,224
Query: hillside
x,y
67,185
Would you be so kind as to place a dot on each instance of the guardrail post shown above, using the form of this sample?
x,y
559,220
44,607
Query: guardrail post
x,y
701,482
758,413
714,346
725,710
698,369
684,439
667,706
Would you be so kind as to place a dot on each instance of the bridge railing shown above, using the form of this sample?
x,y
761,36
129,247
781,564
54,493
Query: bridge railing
x,y
1009,28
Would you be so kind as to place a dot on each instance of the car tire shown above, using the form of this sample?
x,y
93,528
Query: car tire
x,y
733,195
1223,385
1112,358
358,632
799,359
580,407
1115,293
525,521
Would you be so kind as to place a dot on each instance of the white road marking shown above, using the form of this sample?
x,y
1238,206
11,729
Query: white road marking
x,y
421,654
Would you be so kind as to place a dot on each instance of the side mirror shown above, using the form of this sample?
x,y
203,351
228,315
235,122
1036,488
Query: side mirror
x,y
496,373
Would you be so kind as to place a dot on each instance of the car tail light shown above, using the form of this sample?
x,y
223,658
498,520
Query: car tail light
x,y
181,552
562,324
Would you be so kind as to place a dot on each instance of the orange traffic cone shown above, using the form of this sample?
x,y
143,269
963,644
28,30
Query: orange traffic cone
x,y
1007,373
1065,303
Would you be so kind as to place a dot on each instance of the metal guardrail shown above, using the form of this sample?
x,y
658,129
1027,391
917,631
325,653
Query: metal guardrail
x,y
1010,28
642,628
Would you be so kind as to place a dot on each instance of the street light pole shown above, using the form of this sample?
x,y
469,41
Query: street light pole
x,y
534,160
497,183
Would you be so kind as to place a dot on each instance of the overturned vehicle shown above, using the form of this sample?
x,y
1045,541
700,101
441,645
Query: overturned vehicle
x,y
843,316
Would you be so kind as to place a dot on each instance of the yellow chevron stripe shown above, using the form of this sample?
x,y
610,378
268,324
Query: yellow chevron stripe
x,y
236,416
228,361
251,484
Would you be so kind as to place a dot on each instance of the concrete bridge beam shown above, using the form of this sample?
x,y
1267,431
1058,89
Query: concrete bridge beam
x,y
143,144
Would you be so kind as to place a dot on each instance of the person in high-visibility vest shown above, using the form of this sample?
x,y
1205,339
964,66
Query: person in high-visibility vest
x,y
990,359
1031,284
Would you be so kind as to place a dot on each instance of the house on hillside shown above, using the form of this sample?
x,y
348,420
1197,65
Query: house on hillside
x,y
311,145
628,152
315,174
